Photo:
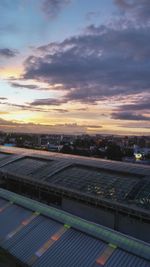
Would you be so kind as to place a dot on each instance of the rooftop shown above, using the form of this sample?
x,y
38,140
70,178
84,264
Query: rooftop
x,y
99,179
39,235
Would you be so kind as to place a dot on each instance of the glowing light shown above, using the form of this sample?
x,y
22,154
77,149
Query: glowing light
x,y
138,156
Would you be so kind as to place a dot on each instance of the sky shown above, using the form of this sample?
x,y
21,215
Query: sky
x,y
75,66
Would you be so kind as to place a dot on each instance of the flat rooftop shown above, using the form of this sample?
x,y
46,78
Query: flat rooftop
x,y
100,179
39,235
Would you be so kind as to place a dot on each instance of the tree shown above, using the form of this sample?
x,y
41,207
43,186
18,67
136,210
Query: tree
x,y
113,152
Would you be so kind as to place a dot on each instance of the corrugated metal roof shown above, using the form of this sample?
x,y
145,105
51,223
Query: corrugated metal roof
x,y
33,240
73,249
10,218
124,259
42,236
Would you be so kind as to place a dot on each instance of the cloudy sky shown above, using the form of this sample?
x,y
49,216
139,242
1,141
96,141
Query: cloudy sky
x,y
75,66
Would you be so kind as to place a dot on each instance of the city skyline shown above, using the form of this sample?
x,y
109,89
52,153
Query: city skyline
x,y
75,66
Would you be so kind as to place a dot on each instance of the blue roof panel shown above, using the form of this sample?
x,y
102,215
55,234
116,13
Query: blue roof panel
x,y
25,248
11,242
11,218
73,249
124,259
56,238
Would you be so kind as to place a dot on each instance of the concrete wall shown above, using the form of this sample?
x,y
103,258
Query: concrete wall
x,y
88,212
134,227
119,222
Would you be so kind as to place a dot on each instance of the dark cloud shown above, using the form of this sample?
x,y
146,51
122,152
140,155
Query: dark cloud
x,y
29,86
81,109
22,107
134,111
53,7
136,125
3,98
26,86
129,116
142,105
25,107
33,107
138,9
8,53
102,62
139,104
60,110
47,102
44,128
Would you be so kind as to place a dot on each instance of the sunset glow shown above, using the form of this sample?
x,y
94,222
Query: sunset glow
x,y
75,66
